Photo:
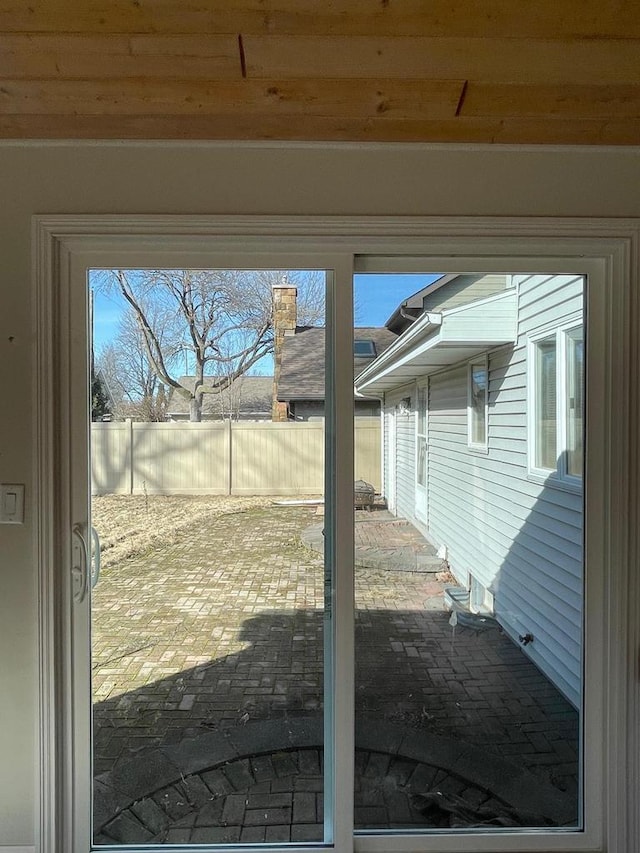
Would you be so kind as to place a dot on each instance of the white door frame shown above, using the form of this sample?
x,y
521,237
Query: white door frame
x,y
421,489
606,250
391,452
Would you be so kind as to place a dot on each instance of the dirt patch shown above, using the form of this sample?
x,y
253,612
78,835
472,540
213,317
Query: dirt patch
x,y
132,524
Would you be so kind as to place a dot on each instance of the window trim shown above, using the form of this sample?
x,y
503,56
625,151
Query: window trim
x,y
477,446
602,249
558,476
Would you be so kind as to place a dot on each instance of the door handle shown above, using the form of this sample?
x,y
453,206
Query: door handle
x,y
85,570
80,566
95,557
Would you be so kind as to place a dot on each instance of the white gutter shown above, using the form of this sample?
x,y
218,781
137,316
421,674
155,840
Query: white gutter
x,y
422,327
437,340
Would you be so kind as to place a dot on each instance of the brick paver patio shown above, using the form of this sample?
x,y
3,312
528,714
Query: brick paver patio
x,y
217,639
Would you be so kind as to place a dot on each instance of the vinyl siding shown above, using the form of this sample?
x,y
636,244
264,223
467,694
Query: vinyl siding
x,y
465,288
520,538
491,320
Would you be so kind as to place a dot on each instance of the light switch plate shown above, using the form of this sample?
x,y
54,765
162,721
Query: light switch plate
x,y
11,503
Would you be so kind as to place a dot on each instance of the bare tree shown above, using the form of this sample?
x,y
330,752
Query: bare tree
x,y
136,389
214,324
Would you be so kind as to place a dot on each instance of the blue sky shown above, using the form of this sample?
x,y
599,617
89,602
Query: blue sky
x,y
375,296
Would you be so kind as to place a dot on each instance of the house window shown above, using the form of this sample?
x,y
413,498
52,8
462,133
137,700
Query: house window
x,y
364,348
574,404
478,403
558,404
545,403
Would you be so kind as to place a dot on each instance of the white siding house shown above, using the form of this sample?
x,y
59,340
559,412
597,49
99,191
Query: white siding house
x,y
498,482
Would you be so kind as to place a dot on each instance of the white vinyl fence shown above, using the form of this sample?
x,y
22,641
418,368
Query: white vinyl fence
x,y
222,458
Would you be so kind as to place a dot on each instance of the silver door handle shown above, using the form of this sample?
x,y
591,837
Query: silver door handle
x,y
95,557
80,567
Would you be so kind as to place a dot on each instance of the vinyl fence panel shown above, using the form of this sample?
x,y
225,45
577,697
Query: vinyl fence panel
x,y
215,457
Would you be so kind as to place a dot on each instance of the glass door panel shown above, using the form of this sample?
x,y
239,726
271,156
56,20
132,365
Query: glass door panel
x,y
468,683
208,625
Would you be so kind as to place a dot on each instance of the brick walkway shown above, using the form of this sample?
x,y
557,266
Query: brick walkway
x,y
222,631
278,798
383,542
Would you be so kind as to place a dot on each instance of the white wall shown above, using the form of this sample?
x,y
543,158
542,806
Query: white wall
x,y
183,178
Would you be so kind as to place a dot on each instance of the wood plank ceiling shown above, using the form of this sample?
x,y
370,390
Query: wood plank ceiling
x,y
509,71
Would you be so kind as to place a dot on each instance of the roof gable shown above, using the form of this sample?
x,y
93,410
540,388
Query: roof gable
x,y
448,291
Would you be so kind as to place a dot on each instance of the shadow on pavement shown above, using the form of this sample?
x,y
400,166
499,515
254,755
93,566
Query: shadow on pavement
x,y
467,703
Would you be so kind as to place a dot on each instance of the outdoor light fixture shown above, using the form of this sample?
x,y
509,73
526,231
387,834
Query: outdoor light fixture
x,y
404,406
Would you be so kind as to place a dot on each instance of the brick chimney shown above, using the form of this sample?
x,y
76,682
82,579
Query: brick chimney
x,y
284,324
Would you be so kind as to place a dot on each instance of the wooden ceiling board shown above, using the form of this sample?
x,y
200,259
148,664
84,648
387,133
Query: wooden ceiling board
x,y
99,57
584,102
490,18
489,60
513,71
269,128
388,99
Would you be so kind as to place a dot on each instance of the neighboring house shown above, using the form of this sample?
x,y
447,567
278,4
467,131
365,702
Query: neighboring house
x,y
248,398
302,377
483,432
299,362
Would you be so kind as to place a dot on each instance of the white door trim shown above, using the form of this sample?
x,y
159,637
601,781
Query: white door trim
x,y
421,492
391,453
604,248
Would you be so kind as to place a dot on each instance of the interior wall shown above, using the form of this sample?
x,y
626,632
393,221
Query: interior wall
x,y
222,179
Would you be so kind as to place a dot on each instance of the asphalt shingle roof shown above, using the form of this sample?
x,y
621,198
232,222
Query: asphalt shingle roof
x,y
302,371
